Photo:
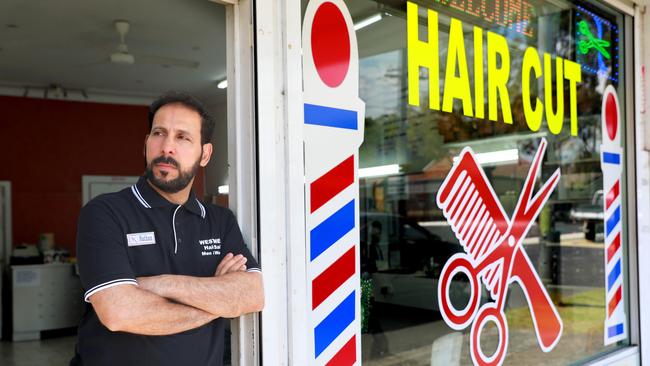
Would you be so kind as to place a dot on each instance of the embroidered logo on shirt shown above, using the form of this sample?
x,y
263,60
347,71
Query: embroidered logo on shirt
x,y
210,246
137,239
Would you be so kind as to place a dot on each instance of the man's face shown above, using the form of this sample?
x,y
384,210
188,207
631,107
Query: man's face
x,y
173,149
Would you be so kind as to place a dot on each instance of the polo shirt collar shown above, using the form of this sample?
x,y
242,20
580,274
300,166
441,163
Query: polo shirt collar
x,y
149,198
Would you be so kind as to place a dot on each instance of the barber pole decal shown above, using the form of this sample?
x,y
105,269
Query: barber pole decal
x,y
333,120
612,167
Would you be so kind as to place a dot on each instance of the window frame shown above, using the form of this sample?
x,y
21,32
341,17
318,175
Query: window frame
x,y
278,89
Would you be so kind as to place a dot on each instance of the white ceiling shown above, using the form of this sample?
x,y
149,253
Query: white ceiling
x,y
68,42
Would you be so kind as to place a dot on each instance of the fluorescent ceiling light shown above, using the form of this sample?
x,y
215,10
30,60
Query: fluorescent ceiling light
x,y
496,157
378,171
367,21
223,84
223,189
433,223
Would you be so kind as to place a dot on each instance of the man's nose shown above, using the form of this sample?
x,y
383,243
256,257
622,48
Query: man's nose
x,y
169,146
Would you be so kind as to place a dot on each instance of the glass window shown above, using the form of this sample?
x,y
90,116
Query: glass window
x,y
506,76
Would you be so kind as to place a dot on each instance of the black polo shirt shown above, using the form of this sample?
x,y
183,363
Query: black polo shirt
x,y
134,233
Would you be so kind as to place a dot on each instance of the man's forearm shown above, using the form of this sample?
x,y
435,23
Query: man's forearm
x,y
143,312
229,295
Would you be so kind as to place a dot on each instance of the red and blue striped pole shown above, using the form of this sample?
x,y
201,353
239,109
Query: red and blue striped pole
x,y
333,133
612,166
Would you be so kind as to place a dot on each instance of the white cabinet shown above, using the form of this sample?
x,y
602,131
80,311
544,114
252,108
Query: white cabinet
x,y
44,297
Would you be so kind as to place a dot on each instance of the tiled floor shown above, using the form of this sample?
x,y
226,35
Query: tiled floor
x,y
47,352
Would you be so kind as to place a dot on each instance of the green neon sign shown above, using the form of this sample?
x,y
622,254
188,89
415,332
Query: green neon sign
x,y
590,41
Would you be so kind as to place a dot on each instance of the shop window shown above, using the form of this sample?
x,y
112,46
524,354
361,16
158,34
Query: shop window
x,y
524,72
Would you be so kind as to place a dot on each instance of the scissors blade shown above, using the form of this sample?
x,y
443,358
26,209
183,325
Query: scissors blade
x,y
547,321
528,208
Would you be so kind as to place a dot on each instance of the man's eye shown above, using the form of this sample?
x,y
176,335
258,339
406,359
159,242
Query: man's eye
x,y
156,133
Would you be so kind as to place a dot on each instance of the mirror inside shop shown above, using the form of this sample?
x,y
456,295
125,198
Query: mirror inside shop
x,y
514,91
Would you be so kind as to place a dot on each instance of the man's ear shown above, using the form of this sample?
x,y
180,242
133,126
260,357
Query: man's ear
x,y
206,154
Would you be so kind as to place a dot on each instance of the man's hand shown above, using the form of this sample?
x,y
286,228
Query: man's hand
x,y
231,263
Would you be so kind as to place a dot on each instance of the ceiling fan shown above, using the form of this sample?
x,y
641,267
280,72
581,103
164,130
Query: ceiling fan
x,y
122,56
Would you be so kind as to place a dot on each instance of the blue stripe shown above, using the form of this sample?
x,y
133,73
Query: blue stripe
x,y
613,275
615,330
611,158
330,117
613,220
331,230
334,324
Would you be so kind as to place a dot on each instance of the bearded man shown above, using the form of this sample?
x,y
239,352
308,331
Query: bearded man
x,y
162,271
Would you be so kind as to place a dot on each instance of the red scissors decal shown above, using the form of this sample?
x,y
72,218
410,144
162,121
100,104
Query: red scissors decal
x,y
494,254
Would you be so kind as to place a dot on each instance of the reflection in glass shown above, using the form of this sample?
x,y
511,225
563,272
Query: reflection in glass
x,y
406,240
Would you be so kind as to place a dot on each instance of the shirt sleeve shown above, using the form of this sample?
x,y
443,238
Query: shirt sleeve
x,y
234,242
102,256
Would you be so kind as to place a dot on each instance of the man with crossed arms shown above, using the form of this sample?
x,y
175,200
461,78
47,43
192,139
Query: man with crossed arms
x,y
162,271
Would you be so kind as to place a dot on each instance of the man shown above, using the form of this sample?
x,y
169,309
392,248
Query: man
x,y
161,270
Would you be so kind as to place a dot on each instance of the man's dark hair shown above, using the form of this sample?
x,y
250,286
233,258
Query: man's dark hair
x,y
185,99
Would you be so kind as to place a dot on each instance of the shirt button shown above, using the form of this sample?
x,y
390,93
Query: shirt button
x,y
180,240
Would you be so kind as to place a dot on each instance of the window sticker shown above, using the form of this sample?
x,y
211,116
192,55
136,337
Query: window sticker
x,y
333,133
611,164
494,254
456,81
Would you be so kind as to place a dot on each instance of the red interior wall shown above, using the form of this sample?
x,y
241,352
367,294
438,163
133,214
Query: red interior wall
x,y
50,144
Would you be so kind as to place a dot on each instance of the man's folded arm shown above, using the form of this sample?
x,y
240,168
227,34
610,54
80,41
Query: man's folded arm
x,y
229,295
129,308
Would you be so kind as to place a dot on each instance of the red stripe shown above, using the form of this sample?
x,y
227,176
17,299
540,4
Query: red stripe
x,y
613,247
477,234
461,197
473,224
480,227
493,235
614,302
490,274
462,215
332,278
612,195
347,355
332,183
452,203
470,216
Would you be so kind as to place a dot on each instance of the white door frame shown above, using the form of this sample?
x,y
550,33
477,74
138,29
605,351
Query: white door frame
x,y
271,150
281,190
640,314
242,195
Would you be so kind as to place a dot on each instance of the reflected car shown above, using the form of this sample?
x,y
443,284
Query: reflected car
x,y
392,243
404,260
591,215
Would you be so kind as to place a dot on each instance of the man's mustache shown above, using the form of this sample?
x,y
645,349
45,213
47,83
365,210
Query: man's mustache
x,y
165,160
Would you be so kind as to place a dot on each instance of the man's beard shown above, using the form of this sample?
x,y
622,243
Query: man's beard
x,y
174,185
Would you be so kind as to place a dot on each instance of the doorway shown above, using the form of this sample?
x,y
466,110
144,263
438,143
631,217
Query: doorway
x,y
76,80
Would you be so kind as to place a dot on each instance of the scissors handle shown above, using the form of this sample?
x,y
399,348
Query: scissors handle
x,y
458,319
584,47
489,313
